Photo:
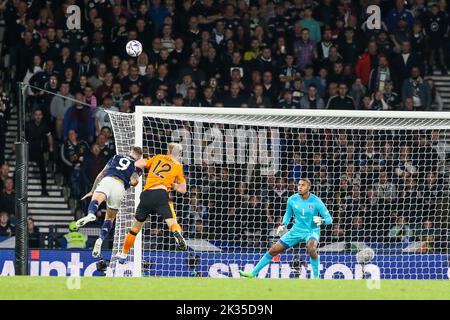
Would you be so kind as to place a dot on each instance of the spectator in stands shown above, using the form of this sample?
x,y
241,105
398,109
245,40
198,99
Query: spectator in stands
x,y
4,174
404,62
357,230
377,102
79,118
305,50
417,89
436,27
437,104
400,231
390,97
6,230
8,197
312,100
39,140
4,116
73,155
258,100
380,75
341,101
366,63
101,117
34,241
59,106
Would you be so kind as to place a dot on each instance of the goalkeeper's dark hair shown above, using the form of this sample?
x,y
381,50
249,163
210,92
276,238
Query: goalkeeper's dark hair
x,y
307,181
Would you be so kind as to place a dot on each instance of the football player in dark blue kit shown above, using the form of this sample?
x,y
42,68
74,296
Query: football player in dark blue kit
x,y
118,175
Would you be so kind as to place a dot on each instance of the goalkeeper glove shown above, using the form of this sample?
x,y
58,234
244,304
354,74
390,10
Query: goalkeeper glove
x,y
281,230
317,220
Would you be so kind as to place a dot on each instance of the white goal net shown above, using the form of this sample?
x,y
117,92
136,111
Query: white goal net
x,y
382,175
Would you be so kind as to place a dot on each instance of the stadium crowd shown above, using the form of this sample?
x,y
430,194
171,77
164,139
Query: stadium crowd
x,y
297,54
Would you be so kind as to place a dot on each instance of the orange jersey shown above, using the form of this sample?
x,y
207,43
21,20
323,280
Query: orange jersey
x,y
163,170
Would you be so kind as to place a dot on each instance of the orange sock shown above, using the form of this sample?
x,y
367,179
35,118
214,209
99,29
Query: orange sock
x,y
129,240
175,227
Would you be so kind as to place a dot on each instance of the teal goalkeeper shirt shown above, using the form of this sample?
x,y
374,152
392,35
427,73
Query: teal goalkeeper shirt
x,y
304,211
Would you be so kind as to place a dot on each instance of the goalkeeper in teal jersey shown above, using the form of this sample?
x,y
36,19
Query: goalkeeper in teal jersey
x,y
310,213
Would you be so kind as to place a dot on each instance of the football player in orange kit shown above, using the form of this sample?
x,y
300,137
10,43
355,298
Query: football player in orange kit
x,y
165,172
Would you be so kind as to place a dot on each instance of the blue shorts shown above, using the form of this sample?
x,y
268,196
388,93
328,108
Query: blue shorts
x,y
293,237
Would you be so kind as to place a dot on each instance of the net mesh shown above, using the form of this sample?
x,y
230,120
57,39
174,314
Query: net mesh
x,y
383,179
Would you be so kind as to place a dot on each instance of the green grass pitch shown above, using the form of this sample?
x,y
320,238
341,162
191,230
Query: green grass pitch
x,y
217,289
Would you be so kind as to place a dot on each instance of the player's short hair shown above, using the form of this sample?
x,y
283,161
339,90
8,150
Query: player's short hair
x,y
174,149
306,180
137,151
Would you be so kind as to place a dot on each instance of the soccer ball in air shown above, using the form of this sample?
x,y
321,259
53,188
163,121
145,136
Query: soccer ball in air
x,y
134,48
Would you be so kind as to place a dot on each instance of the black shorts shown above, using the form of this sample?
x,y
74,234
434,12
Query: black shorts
x,y
154,201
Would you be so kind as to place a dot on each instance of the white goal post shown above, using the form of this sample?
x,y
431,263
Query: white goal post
x,y
382,174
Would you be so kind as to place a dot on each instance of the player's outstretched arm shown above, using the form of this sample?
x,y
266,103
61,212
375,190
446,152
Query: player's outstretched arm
x,y
96,182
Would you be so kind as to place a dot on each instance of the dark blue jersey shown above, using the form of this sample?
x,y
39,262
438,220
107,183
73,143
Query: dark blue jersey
x,y
121,167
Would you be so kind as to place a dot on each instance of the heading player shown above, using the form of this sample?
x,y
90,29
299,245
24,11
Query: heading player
x,y
310,213
165,172
119,173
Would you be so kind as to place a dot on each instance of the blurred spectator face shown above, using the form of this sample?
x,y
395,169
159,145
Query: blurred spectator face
x,y
338,68
236,58
101,140
147,101
4,170
102,69
267,77
150,71
327,35
106,132
115,61
323,73
288,96
213,83
53,82
342,89
88,92
236,75
116,88
4,219
212,53
305,35
187,80
107,102
193,23
431,178
9,185
134,89
372,48
266,53
192,93
134,72
388,86
51,34
382,61
234,89
332,89
179,44
208,93
406,47
72,135
162,71
38,116
126,106
65,52
178,101
312,91
160,95
258,90
30,225
156,44
415,73
193,62
68,73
